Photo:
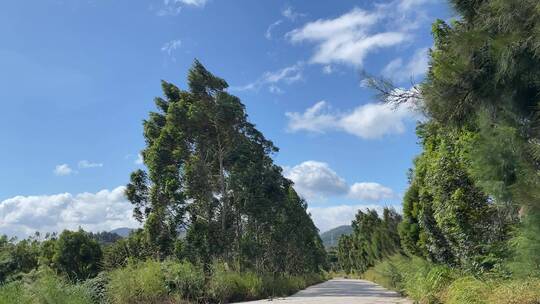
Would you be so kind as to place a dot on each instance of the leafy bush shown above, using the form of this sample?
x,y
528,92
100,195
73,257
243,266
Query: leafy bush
x,y
49,288
77,255
525,291
184,279
467,290
97,287
226,285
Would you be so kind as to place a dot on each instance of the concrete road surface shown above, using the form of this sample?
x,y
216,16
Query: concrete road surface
x,y
341,291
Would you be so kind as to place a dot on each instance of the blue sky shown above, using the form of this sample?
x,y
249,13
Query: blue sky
x,y
79,76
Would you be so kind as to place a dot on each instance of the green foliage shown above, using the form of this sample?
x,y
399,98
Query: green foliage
x,y
77,255
17,258
44,287
184,279
201,148
135,247
138,283
226,285
14,292
373,238
429,283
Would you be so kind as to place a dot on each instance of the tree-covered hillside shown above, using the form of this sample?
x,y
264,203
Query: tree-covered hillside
x,y
331,237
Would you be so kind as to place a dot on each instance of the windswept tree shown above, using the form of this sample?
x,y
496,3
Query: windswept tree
x,y
210,172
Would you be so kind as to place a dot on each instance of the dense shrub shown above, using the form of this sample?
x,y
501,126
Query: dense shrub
x,y
14,292
44,287
77,255
429,283
138,283
184,279
226,285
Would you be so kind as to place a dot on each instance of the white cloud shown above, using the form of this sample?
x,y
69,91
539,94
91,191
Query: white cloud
x,y
416,67
63,170
271,27
290,14
316,119
316,180
346,39
287,75
174,7
328,69
326,218
171,46
139,160
368,121
21,216
199,3
373,192
84,164
351,37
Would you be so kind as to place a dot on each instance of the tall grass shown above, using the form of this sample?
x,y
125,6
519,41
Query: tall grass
x,y
44,287
428,283
154,282
138,283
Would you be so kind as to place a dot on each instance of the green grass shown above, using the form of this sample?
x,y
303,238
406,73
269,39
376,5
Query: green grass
x,y
152,282
428,283
44,287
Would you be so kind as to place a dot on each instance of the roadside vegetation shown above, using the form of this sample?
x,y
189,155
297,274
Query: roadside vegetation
x,y
470,231
220,222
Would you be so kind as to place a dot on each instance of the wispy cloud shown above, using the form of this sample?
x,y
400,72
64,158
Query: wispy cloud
x,y
268,33
286,75
416,67
174,7
290,14
351,37
139,160
84,164
170,47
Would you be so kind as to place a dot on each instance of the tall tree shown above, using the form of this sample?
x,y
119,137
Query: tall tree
x,y
210,171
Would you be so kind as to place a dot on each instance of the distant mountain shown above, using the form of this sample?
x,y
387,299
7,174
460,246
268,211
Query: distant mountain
x,y
123,232
330,238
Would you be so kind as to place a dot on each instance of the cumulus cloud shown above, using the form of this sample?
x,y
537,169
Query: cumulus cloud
x,y
21,216
368,121
370,192
287,75
326,218
315,180
63,170
416,67
84,164
351,37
